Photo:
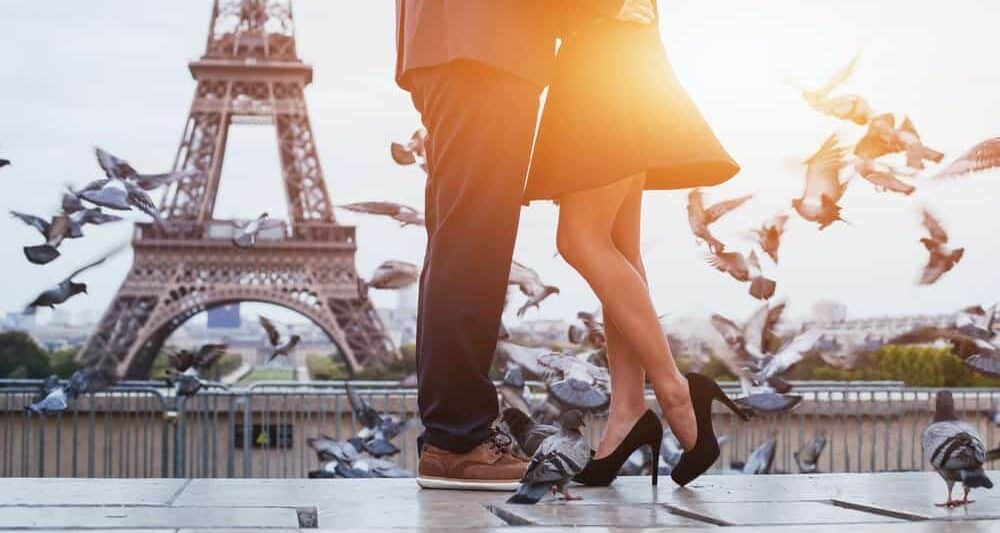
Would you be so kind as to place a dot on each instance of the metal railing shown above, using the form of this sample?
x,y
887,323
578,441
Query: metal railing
x,y
138,429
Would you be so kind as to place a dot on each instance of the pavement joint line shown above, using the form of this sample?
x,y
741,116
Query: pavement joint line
x,y
882,511
687,513
178,492
511,518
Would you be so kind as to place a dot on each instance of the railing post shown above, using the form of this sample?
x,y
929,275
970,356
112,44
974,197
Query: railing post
x,y
247,432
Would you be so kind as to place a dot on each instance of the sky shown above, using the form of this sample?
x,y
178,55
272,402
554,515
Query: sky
x,y
113,73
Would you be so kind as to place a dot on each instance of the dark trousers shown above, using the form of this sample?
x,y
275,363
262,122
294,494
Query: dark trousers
x,y
480,124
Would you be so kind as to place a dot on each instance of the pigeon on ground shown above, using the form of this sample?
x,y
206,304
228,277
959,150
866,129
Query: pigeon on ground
x,y
511,389
394,275
559,457
64,290
576,383
983,156
638,463
955,450
61,227
405,215
942,257
701,218
413,151
278,347
760,461
330,449
246,234
769,235
670,452
823,186
807,457
84,381
531,285
526,432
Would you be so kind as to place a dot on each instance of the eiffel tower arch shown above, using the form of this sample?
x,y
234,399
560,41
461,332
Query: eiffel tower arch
x,y
250,74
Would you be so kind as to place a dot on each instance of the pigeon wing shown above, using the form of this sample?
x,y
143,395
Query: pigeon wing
x,y
273,336
983,156
823,170
36,222
934,227
716,211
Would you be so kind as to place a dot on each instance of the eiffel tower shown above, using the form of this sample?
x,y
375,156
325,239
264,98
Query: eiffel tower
x,y
250,73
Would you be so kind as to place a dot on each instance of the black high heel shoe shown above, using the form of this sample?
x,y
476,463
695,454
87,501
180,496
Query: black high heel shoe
x,y
697,460
601,472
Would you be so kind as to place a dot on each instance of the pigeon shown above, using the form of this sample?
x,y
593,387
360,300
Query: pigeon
x,y
511,389
881,138
769,402
525,358
761,459
942,258
393,275
670,452
413,151
594,330
789,355
58,229
637,463
71,203
94,216
206,356
732,263
983,156
64,290
807,457
531,286
274,338
955,450
378,430
769,235
379,468
976,321
246,234
980,355
745,347
119,169
102,193
405,215
4,162
139,199
576,383
824,187
526,432
916,151
993,415
84,381
186,383
559,457
849,107
330,449
761,287
701,218
882,176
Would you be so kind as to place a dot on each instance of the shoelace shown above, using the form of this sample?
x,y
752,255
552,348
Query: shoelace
x,y
499,441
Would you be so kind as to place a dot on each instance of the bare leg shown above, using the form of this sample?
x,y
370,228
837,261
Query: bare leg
x,y
628,379
949,502
965,499
586,219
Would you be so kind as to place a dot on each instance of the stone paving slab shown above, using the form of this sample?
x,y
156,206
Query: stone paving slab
x,y
111,517
79,491
577,514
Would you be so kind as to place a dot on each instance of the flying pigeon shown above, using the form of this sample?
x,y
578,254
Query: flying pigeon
x,y
139,199
61,227
71,203
378,430
983,156
593,330
246,234
849,107
393,275
559,457
980,355
206,356
769,235
769,402
119,169
576,383
824,187
64,290
102,193
413,151
761,287
94,216
761,459
4,162
807,457
526,432
701,218
955,450
405,215
274,338
55,397
732,263
531,285
882,176
942,257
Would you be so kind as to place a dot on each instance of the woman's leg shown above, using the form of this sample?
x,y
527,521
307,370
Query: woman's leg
x,y
628,379
586,221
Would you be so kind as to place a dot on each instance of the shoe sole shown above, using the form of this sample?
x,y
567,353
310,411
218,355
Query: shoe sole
x,y
466,484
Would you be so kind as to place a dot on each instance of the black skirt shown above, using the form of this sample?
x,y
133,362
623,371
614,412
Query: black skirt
x,y
615,109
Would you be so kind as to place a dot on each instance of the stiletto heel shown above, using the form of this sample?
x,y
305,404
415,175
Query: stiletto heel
x,y
655,447
601,472
697,460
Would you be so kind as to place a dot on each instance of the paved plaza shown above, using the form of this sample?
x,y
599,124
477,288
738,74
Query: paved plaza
x,y
892,503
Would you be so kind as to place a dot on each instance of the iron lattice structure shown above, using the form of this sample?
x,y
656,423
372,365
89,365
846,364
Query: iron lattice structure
x,y
250,73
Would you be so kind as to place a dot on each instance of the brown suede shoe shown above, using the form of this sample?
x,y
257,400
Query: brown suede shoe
x,y
489,466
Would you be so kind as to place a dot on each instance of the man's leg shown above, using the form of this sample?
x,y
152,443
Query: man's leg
x,y
480,124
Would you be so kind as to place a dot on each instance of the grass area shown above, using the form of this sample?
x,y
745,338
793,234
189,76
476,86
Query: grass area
x,y
330,367
268,374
